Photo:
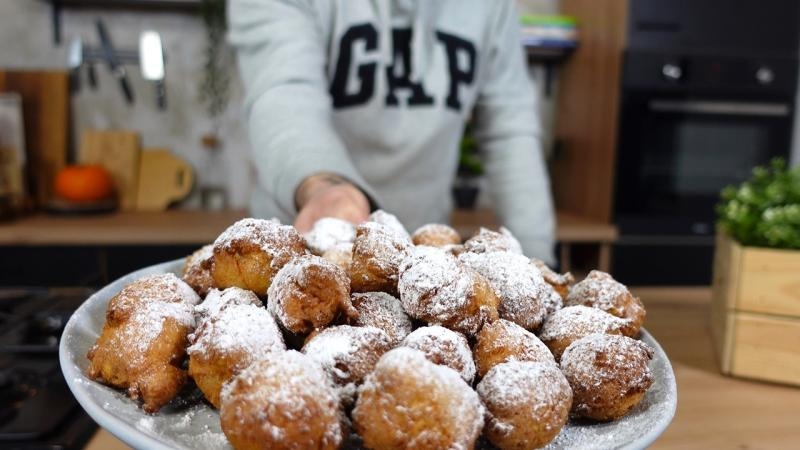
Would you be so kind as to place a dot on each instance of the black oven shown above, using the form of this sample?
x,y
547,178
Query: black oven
x,y
706,95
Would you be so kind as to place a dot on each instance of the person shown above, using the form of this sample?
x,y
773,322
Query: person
x,y
353,105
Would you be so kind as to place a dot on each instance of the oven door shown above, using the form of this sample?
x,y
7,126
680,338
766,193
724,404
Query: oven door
x,y
676,153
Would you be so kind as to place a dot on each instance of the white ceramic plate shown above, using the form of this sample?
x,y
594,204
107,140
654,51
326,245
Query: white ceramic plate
x,y
191,424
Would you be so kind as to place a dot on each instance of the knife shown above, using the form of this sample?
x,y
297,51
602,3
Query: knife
x,y
114,65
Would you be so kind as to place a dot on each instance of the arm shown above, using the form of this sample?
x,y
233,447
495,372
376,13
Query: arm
x,y
507,132
282,59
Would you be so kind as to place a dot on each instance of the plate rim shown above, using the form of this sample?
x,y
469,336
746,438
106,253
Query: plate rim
x,y
136,438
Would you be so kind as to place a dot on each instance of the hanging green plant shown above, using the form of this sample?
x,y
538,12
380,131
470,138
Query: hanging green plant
x,y
215,86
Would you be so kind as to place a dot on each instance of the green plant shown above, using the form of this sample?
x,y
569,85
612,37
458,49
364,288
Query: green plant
x,y
764,211
215,86
469,163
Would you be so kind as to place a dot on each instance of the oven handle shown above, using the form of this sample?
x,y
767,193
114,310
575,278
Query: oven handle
x,y
721,108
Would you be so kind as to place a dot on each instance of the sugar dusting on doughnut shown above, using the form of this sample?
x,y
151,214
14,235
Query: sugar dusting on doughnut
x,y
277,240
239,327
445,347
327,233
384,311
217,299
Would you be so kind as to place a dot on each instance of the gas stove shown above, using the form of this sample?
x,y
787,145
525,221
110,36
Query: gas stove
x,y
37,409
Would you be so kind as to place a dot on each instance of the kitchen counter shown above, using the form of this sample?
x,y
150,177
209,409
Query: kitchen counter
x,y
714,411
196,227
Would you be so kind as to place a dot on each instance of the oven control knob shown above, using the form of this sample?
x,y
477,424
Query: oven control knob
x,y
672,71
765,75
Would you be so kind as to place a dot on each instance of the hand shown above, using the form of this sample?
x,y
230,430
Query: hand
x,y
329,195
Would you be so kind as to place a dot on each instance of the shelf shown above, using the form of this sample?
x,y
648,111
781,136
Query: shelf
x,y
188,6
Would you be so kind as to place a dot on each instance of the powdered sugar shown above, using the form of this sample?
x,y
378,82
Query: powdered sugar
x,y
281,242
377,253
444,347
412,390
327,233
599,290
436,288
503,340
244,329
384,311
197,270
217,300
519,285
436,235
391,222
599,359
492,241
574,322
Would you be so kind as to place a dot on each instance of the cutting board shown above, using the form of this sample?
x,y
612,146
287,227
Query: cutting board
x,y
45,109
119,152
163,179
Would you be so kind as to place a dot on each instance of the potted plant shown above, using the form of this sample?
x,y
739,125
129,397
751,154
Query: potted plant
x,y
756,287
466,186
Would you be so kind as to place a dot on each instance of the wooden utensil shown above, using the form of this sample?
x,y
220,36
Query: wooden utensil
x,y
45,107
119,152
163,178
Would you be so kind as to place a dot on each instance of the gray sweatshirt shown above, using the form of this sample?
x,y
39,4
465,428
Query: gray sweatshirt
x,y
379,91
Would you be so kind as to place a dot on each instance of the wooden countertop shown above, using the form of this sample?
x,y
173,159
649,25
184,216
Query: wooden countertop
x,y
197,227
714,411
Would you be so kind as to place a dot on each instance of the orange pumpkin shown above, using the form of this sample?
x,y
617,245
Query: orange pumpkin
x,y
84,183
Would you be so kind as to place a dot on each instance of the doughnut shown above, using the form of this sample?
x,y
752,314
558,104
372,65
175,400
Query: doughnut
x,y
444,347
284,402
197,270
229,341
309,292
250,252
436,235
436,288
600,290
347,354
409,402
377,254
391,222
340,254
520,286
381,310
527,404
503,341
493,241
327,233
574,322
560,282
216,300
609,375
142,346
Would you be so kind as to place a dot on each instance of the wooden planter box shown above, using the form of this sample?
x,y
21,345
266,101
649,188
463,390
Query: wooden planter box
x,y
755,315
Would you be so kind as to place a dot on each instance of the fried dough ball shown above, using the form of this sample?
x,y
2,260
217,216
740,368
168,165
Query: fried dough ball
x,y
143,342
282,402
527,404
503,341
408,402
383,311
229,341
493,241
377,254
309,292
520,286
216,300
435,287
444,347
600,290
560,282
327,233
390,221
340,254
567,325
609,375
348,354
198,268
251,251
436,235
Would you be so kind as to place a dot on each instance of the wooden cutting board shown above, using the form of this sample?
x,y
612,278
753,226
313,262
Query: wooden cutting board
x,y
45,109
163,179
118,151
